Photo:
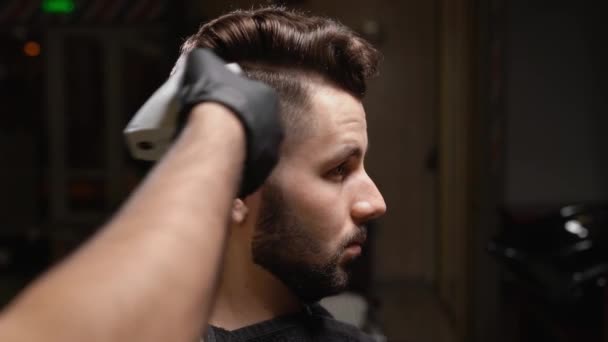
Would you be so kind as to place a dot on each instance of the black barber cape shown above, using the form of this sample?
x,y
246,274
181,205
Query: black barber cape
x,y
312,324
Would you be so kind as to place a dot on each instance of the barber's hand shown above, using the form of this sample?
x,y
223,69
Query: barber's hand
x,y
206,78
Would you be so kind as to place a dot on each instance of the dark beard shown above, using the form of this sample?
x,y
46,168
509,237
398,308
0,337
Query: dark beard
x,y
283,246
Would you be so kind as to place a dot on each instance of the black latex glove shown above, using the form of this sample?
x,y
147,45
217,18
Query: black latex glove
x,y
206,78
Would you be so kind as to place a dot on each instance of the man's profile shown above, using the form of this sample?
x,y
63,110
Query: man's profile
x,y
291,242
183,256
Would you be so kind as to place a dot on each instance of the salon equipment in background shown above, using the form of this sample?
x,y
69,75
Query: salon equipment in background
x,y
556,266
560,257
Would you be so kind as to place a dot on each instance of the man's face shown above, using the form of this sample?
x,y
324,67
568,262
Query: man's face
x,y
314,206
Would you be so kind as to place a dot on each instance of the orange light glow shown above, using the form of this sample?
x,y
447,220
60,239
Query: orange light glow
x,y
31,49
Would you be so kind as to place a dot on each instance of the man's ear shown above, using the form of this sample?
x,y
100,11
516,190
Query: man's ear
x,y
239,211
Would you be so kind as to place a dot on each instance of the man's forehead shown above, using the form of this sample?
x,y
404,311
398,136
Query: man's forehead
x,y
339,141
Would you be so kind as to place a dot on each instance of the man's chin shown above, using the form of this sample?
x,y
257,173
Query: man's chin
x,y
310,286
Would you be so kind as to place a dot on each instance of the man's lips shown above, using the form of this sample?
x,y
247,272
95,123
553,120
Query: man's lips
x,y
355,245
352,251
359,243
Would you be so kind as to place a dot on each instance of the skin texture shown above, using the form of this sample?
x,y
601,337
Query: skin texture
x,y
327,197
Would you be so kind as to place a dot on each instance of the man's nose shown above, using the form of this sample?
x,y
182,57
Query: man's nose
x,y
369,203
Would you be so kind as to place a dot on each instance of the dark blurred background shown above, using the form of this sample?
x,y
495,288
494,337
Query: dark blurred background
x,y
488,127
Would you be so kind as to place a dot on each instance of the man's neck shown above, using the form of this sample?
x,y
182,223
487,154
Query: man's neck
x,y
247,293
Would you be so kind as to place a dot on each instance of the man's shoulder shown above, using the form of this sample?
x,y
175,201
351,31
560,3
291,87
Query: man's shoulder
x,y
340,331
313,324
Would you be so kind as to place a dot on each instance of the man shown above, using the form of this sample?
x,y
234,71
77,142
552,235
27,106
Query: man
x,y
150,275
291,242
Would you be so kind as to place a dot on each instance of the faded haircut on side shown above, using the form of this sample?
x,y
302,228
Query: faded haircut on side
x,y
289,51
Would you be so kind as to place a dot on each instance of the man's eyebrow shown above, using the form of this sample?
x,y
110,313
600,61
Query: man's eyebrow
x,y
348,151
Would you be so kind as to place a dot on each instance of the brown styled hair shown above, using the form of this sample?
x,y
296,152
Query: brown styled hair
x,y
287,49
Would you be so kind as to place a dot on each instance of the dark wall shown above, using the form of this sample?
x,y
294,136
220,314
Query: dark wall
x,y
557,130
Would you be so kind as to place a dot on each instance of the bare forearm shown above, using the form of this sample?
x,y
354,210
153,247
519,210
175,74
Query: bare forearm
x,y
166,244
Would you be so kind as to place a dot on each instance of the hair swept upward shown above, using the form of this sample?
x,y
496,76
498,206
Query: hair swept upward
x,y
276,37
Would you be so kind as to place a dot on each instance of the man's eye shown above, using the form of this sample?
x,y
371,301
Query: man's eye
x,y
339,172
